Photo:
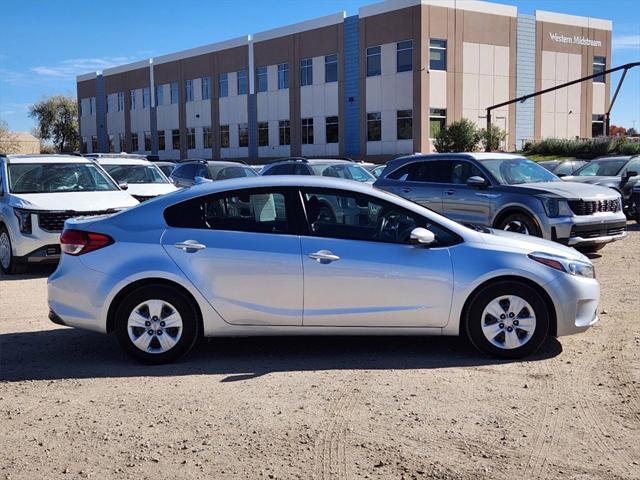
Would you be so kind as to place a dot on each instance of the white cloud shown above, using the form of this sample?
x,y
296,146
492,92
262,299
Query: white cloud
x,y
77,66
626,42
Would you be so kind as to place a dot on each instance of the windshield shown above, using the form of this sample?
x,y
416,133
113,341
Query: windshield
x,y
342,170
58,177
135,173
518,170
601,168
225,172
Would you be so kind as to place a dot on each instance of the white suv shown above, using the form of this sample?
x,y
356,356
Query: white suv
x,y
38,193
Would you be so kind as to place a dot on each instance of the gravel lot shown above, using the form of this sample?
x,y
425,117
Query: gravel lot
x,y
73,406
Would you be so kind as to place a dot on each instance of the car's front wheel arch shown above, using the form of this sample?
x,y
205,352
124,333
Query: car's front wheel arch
x,y
509,211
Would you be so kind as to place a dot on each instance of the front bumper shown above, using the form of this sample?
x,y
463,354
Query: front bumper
x,y
597,229
576,302
43,255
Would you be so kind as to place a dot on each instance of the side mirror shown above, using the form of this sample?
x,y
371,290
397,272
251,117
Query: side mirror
x,y
477,182
123,185
422,236
198,180
560,175
629,174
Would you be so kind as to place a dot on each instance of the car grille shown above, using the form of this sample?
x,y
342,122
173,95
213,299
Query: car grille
x,y
54,221
594,231
589,207
143,198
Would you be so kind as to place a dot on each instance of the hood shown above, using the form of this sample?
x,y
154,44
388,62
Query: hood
x,y
527,244
573,190
591,179
149,189
76,201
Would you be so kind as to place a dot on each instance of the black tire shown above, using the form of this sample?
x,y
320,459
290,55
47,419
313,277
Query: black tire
x,y
482,298
528,223
14,266
184,306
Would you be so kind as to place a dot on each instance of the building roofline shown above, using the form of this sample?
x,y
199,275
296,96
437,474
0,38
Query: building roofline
x,y
325,21
194,52
575,20
86,76
468,5
127,67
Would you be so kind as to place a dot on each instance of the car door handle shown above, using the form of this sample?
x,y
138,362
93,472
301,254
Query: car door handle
x,y
449,192
324,256
190,245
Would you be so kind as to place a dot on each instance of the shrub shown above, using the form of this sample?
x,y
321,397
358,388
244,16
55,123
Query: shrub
x,y
629,149
492,137
460,136
587,148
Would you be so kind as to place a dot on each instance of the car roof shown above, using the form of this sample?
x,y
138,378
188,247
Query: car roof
x,y
480,156
116,155
122,161
614,157
46,158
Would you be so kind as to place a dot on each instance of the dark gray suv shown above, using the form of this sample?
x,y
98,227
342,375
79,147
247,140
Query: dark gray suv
x,y
511,193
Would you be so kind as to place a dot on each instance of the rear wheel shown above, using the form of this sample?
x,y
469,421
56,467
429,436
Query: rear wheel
x,y
8,262
507,319
520,223
157,324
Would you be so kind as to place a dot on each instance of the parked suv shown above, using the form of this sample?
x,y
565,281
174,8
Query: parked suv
x,y
336,168
185,173
511,193
38,193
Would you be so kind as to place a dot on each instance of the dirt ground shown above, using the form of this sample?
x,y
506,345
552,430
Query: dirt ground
x,y
73,406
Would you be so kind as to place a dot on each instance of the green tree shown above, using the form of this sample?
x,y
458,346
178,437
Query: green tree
x,y
492,137
460,136
57,118
632,132
8,140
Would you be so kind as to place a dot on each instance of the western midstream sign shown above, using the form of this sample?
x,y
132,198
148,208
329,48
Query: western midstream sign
x,y
574,40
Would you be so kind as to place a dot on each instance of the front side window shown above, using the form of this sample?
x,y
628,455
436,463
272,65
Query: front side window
x,y
174,92
188,91
242,82
146,99
306,72
175,139
404,124
307,131
191,138
134,142
374,64
206,137
331,68
161,141
599,66
147,141
597,126
437,54
462,170
263,134
243,135
205,87
135,173
437,121
159,95
404,56
223,85
57,178
224,136
284,132
332,129
517,171
132,99
374,127
258,211
283,76
261,77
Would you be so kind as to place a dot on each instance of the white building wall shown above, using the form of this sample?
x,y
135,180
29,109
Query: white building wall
x,y
273,106
115,120
140,121
388,93
168,119
88,125
233,111
198,116
598,99
560,110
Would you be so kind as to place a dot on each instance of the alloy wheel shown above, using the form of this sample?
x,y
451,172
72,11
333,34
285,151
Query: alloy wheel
x,y
154,326
508,322
5,250
516,226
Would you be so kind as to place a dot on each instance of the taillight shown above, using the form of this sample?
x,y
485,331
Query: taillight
x,y
78,242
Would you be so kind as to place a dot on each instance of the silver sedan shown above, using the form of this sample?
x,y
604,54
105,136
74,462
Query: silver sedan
x,y
305,255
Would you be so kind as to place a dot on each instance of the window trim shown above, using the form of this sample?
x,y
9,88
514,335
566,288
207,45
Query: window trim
x,y
404,49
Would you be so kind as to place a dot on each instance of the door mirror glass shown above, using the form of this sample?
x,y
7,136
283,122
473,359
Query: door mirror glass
x,y
123,185
422,236
476,181
560,175
631,173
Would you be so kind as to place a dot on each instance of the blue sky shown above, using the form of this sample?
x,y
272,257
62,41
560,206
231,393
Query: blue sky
x,y
45,44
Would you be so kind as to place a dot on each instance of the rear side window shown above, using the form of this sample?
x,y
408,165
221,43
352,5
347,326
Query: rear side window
x,y
433,171
259,211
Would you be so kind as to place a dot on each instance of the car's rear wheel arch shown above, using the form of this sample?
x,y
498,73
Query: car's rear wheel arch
x,y
501,216
124,292
553,319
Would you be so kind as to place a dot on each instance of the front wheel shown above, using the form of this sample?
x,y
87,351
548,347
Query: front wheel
x,y
157,324
8,262
507,319
520,223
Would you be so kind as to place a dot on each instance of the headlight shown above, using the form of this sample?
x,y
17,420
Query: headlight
x,y
578,268
555,207
24,220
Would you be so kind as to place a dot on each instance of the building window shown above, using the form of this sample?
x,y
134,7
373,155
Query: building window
x,y
205,88
374,127
223,85
191,138
146,99
373,62
132,99
306,72
331,129
206,137
134,142
159,95
261,75
94,143
120,101
437,121
283,76
174,92
123,147
263,134
161,142
437,54
188,91
175,139
599,66
147,141
331,68
84,144
112,147
243,135
242,82
597,126
404,124
307,131
224,136
404,56
92,106
284,132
